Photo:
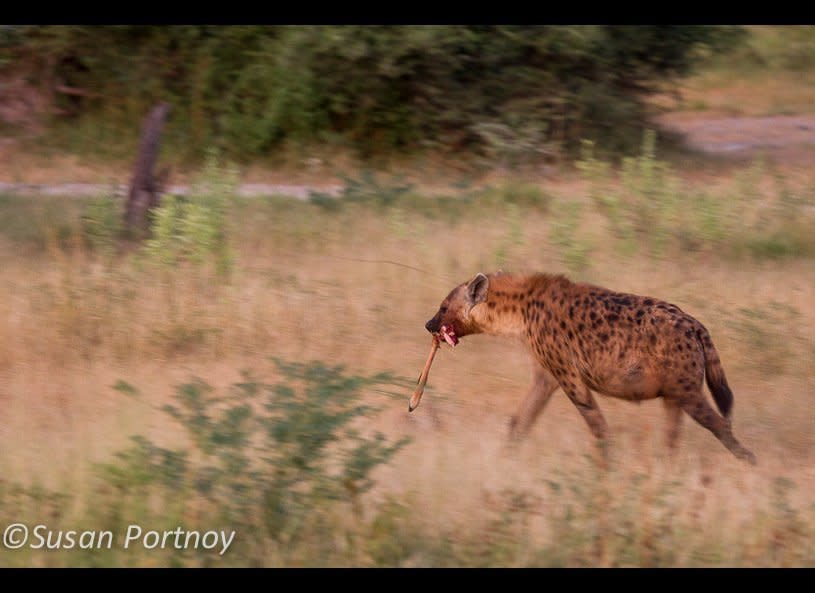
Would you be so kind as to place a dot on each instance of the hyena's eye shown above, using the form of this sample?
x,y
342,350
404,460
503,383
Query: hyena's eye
x,y
442,310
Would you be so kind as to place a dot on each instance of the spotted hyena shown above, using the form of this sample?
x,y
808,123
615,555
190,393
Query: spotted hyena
x,y
586,338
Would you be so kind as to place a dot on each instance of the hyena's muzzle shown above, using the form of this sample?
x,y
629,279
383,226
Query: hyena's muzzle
x,y
444,331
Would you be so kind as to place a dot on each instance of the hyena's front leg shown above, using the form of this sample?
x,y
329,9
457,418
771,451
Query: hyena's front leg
x,y
582,398
543,386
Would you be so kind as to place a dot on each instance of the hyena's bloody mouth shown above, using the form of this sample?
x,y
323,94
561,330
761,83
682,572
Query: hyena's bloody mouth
x,y
449,335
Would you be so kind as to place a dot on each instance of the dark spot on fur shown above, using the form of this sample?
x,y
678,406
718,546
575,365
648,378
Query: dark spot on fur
x,y
491,304
640,313
653,339
562,325
613,318
592,315
648,302
603,337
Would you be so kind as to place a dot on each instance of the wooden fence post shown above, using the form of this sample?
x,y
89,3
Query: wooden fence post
x,y
146,187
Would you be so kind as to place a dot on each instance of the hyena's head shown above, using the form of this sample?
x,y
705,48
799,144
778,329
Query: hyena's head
x,y
453,320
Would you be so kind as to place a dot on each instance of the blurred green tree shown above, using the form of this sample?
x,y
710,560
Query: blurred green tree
x,y
247,89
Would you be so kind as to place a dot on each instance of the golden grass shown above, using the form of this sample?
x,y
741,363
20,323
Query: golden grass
x,y
316,285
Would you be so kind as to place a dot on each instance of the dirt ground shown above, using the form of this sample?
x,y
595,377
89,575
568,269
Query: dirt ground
x,y
784,138
781,137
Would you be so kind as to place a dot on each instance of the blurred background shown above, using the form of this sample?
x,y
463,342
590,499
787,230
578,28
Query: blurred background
x,y
240,353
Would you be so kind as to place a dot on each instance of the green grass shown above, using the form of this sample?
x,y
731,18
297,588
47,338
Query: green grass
x,y
29,223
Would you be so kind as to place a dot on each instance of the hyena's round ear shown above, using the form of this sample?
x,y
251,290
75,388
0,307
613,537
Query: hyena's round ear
x,y
477,289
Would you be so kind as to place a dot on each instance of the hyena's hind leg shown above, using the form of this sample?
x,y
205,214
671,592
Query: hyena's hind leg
x,y
697,408
673,416
543,386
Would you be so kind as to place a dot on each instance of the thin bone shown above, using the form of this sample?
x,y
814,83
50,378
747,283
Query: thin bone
x,y
417,395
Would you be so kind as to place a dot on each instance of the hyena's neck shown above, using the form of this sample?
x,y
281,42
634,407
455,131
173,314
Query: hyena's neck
x,y
504,313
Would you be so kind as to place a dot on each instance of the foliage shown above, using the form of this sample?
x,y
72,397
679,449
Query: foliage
x,y
648,208
269,459
194,229
771,49
512,92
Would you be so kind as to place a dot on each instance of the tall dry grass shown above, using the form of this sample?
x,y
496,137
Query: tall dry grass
x,y
354,286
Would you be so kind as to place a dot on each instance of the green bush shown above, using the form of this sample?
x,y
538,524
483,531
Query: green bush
x,y
194,229
273,461
511,92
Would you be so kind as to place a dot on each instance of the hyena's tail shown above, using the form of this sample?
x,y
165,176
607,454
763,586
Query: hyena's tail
x,y
714,374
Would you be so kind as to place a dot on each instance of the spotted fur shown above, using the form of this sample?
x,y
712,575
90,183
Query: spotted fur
x,y
585,338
